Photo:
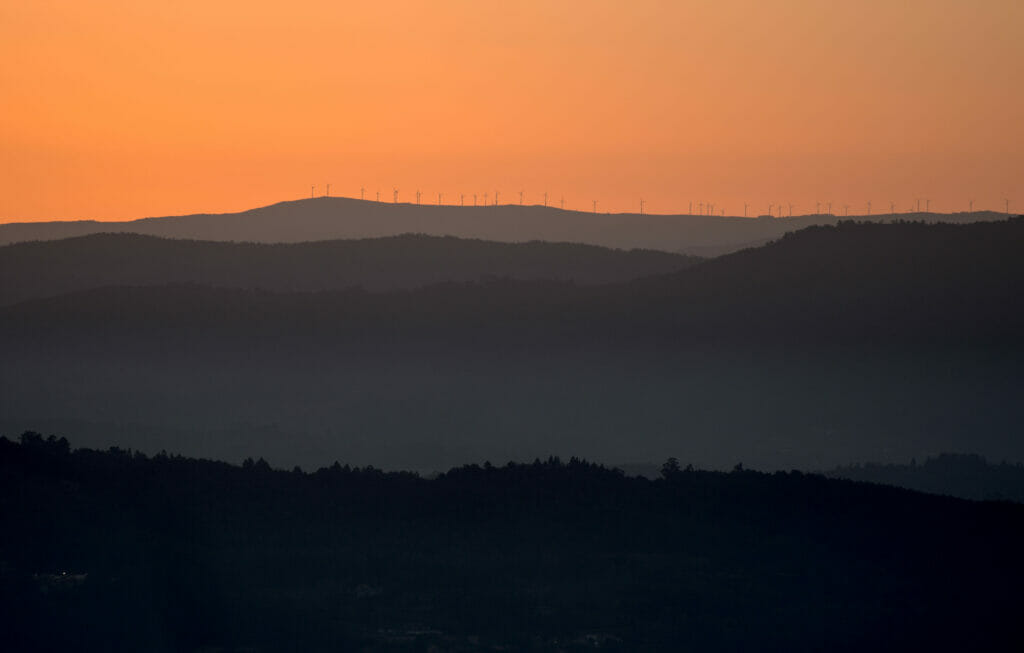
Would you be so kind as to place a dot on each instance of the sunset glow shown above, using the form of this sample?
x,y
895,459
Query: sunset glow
x,y
115,110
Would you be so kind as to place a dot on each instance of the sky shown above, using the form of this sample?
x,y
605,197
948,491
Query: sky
x,y
134,108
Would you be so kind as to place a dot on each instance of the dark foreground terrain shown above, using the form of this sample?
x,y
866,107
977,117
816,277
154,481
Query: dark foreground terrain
x,y
117,551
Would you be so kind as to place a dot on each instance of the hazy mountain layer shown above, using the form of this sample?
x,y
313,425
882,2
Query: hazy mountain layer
x,y
862,342
41,269
327,218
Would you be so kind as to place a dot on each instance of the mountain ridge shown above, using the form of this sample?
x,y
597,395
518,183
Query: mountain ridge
x,y
326,218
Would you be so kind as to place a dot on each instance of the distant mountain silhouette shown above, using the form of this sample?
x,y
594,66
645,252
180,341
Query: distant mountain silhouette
x,y
328,218
835,344
41,269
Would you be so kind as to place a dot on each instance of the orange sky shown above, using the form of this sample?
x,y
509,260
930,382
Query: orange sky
x,y
114,110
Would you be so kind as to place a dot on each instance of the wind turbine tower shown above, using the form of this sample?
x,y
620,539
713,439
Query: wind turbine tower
x,y
394,196
312,191
545,198
417,196
328,190
641,206
495,198
791,210
595,205
520,198
869,207
362,192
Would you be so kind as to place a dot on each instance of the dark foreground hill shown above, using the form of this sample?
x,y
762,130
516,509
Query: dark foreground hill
x,y
116,551
330,218
836,344
41,269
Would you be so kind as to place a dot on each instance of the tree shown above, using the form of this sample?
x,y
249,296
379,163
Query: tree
x,y
670,468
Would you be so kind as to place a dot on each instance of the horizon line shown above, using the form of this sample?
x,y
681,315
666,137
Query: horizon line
x,y
645,214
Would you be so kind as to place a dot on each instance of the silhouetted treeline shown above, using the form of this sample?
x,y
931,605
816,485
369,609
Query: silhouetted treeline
x,y
968,476
42,269
115,550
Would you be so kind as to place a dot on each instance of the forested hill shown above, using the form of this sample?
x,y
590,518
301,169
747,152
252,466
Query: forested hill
x,y
41,269
328,218
116,551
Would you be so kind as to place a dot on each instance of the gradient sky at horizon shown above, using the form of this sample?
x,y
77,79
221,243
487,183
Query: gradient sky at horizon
x,y
133,108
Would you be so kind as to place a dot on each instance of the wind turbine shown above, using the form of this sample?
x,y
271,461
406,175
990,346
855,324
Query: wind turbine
x,y
462,199
595,205
417,196
495,198
312,191
927,206
869,207
817,208
791,210
520,198
700,207
744,209
378,196
394,196
641,206
328,190
892,208
439,199
830,209
545,198
486,195
362,192
770,207
563,202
